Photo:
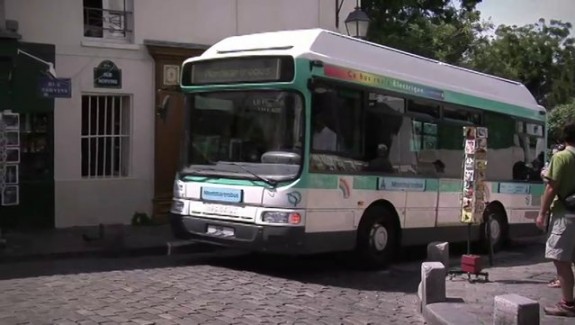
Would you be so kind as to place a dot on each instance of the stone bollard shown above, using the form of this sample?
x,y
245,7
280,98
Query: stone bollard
x,y
432,283
513,309
438,252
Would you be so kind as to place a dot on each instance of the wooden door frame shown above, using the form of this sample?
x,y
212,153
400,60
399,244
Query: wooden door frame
x,y
166,53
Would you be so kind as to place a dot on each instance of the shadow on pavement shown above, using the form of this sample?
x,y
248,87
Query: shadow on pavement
x,y
326,269
197,255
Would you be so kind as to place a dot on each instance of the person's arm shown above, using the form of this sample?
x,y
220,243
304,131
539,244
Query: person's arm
x,y
553,177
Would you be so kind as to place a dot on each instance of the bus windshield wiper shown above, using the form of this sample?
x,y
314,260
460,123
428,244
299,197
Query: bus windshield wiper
x,y
271,182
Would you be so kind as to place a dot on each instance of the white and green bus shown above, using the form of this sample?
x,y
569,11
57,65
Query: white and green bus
x,y
309,141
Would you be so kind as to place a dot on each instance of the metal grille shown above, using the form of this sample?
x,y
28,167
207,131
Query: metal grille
x,y
108,19
105,136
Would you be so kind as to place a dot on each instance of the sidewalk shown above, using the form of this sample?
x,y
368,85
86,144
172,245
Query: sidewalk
x,y
84,241
521,270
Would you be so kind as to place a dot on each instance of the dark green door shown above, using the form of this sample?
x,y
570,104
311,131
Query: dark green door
x,y
35,209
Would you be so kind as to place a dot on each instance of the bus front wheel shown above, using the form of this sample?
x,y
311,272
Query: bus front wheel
x,y
498,229
376,238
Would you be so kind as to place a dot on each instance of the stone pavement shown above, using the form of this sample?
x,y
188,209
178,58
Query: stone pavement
x,y
521,270
222,287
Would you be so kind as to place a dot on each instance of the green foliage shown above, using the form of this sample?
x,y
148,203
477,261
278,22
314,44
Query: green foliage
x,y
435,29
558,117
141,219
541,56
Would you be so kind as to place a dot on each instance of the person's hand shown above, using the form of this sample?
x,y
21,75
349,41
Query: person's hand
x,y
540,221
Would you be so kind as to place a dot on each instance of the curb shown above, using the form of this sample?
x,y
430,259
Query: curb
x,y
449,313
89,253
166,249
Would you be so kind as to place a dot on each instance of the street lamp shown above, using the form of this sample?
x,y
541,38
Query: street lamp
x,y
357,22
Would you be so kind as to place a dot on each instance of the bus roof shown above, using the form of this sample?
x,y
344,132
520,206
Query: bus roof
x,y
337,49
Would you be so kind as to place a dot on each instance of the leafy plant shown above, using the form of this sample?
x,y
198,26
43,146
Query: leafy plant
x,y
141,219
558,117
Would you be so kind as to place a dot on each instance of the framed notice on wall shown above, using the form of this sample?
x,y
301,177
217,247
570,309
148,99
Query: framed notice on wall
x,y
171,75
9,158
10,195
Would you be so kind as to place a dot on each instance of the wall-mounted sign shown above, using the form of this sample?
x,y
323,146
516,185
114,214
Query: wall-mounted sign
x,y
9,158
55,87
171,75
107,75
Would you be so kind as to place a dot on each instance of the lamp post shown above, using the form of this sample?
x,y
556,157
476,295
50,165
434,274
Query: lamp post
x,y
357,22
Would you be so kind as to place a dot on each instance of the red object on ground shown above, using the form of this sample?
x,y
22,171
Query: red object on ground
x,y
471,264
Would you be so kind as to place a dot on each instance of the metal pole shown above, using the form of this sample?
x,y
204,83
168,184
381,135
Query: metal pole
x,y
338,5
468,238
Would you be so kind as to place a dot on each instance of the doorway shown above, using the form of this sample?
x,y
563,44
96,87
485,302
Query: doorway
x,y
169,124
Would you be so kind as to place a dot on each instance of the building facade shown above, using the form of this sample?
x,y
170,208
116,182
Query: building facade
x,y
109,149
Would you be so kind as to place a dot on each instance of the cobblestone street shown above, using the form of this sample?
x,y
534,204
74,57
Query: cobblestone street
x,y
521,270
207,288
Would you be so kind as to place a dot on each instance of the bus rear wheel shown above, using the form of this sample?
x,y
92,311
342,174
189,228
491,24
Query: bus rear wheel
x,y
376,238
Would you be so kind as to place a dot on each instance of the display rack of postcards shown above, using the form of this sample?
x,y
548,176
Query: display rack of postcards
x,y
9,158
474,167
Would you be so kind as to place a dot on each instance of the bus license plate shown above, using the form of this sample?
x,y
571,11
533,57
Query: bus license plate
x,y
224,210
220,231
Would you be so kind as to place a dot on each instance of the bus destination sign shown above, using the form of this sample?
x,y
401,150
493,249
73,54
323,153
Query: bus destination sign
x,y
238,70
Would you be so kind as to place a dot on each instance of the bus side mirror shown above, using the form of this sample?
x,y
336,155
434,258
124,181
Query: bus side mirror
x,y
162,109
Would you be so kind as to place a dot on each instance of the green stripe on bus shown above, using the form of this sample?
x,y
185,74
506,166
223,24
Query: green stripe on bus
x,y
492,105
364,183
450,185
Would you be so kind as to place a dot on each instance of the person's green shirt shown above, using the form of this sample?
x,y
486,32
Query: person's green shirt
x,y
562,173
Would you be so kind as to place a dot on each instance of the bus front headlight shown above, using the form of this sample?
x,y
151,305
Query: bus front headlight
x,y
177,207
279,217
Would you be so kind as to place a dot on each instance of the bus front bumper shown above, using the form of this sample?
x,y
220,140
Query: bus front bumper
x,y
271,239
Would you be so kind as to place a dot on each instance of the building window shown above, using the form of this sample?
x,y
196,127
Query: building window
x,y
108,19
105,136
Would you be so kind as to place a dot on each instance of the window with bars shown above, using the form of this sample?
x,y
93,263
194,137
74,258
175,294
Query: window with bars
x,y
105,136
108,19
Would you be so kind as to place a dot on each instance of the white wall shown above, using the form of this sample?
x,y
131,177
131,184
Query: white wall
x,y
87,201
209,21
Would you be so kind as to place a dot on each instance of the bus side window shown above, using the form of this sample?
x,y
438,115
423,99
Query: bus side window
x,y
336,122
513,148
383,122
336,130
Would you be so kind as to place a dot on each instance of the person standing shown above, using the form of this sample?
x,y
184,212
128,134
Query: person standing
x,y
560,246
544,172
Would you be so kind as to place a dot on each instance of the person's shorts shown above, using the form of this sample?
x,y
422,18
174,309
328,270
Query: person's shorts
x,y
561,239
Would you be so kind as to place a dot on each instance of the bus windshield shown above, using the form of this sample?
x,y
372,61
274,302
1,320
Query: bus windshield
x,y
251,134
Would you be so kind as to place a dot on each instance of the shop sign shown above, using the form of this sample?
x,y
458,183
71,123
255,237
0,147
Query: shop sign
x,y
49,87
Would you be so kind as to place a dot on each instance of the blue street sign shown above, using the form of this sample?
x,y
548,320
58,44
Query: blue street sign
x,y
55,87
